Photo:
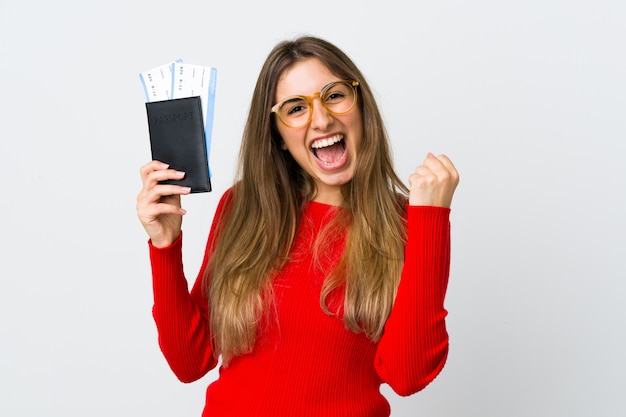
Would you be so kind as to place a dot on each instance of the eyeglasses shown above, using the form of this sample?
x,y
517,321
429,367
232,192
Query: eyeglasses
x,y
337,98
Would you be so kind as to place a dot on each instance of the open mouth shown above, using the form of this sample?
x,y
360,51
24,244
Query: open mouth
x,y
329,151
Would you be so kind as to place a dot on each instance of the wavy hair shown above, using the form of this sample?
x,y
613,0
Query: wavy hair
x,y
260,220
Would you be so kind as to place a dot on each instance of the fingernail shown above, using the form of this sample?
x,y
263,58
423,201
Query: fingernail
x,y
186,189
430,155
180,173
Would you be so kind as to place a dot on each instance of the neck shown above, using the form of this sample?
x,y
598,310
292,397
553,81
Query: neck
x,y
329,195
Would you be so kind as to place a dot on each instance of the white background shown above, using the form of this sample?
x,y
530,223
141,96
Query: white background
x,y
528,98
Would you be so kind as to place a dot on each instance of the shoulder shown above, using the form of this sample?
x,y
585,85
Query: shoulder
x,y
226,200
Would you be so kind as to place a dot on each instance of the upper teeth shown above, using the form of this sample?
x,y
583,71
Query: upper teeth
x,y
322,143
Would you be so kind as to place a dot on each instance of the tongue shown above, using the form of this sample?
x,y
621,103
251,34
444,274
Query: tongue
x,y
330,154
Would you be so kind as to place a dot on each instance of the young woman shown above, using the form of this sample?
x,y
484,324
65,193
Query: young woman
x,y
324,276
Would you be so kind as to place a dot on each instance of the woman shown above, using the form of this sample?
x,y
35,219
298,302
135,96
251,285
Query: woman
x,y
323,275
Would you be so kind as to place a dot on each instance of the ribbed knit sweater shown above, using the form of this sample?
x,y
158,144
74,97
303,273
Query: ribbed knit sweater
x,y
305,362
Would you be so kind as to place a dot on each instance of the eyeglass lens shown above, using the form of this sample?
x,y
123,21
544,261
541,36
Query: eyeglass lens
x,y
337,98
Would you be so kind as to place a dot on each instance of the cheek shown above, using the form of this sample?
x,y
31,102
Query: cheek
x,y
356,127
291,138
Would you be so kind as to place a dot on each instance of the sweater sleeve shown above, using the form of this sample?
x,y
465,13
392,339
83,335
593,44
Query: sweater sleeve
x,y
414,345
181,316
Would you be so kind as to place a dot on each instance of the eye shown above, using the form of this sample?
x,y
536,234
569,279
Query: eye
x,y
336,94
294,107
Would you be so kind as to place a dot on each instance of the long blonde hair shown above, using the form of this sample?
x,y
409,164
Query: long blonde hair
x,y
259,223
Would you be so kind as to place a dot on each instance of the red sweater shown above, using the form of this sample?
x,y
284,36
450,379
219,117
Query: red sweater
x,y
305,362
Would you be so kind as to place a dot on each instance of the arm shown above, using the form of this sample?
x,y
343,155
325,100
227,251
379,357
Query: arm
x,y
414,346
182,317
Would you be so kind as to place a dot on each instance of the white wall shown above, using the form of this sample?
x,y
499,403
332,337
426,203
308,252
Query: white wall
x,y
528,98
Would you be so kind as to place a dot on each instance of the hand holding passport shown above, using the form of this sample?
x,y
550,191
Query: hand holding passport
x,y
179,106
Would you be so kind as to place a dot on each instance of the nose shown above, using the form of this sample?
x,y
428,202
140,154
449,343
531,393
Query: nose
x,y
320,117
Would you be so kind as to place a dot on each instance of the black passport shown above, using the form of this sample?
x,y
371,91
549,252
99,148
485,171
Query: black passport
x,y
177,138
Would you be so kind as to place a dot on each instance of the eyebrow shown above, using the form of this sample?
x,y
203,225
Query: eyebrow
x,y
293,98
296,96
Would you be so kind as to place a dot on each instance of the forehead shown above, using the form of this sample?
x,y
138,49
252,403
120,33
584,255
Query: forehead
x,y
304,78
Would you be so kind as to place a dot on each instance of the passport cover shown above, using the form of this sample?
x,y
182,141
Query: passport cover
x,y
177,138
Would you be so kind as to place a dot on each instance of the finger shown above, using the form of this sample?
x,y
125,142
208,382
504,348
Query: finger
x,y
167,208
433,161
149,209
445,160
436,169
164,174
443,167
422,171
152,166
152,211
160,192
449,166
166,194
422,177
